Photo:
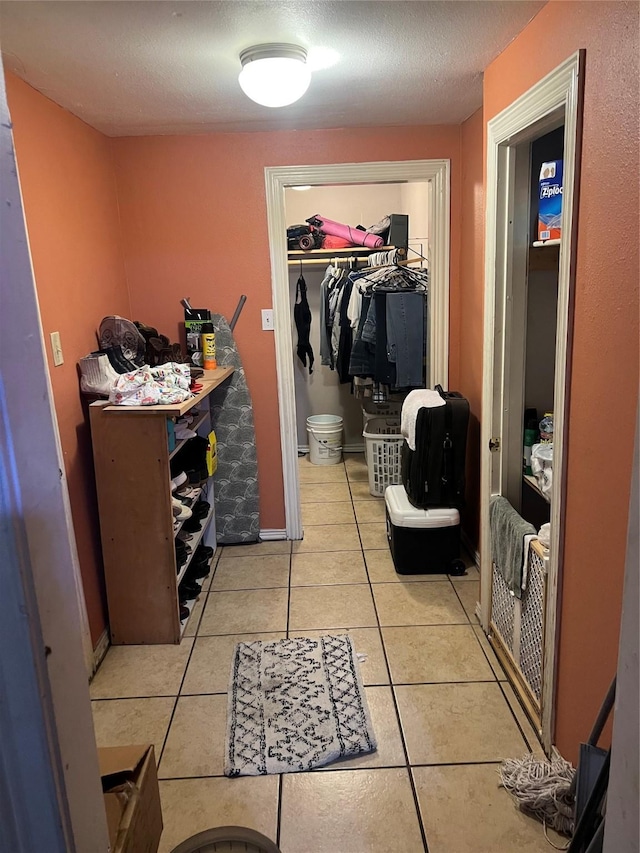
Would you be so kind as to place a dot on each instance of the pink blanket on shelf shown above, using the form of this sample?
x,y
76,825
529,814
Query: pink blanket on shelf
x,y
354,235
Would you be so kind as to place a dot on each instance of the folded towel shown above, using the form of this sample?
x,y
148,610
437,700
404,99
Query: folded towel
x,y
508,533
414,401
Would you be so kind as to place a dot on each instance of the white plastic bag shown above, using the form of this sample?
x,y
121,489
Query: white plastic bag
x,y
544,535
542,466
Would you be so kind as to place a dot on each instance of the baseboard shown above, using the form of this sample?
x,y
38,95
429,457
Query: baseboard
x,y
469,548
102,647
348,448
271,534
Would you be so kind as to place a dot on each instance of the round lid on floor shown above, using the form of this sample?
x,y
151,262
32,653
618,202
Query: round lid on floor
x,y
227,839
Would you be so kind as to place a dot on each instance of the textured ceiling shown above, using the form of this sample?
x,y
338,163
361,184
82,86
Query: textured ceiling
x,y
147,67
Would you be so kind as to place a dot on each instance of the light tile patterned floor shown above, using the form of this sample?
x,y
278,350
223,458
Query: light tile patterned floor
x,y
441,709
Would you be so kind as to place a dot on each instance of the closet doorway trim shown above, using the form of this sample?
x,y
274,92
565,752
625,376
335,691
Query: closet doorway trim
x,y
277,179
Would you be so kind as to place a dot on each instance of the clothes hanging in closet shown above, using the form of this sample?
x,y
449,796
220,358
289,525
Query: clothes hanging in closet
x,y
302,317
373,328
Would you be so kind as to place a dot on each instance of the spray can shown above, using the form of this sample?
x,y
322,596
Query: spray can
x,y
208,339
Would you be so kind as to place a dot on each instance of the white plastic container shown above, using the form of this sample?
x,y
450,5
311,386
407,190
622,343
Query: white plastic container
x,y
325,439
383,444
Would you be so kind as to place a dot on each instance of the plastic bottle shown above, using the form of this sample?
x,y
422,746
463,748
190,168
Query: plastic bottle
x,y
208,339
546,428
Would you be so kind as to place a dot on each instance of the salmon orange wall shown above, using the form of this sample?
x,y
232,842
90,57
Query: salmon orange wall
x,y
471,302
194,223
604,381
68,188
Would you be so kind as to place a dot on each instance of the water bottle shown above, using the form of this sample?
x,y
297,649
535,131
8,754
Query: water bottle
x,y
546,428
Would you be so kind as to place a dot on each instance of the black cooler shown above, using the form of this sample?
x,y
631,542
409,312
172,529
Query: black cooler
x,y
422,541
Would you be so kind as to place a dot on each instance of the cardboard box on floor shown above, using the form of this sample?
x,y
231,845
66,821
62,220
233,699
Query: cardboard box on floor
x,y
131,798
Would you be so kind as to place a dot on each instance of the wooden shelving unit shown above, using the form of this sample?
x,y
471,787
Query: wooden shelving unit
x,y
131,460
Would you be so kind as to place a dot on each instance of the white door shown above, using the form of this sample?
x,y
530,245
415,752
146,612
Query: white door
x,y
554,101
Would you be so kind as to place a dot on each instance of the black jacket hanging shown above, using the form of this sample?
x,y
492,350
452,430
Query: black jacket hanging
x,y
302,317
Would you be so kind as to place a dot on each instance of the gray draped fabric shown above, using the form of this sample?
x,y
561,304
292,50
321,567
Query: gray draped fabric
x,y
236,480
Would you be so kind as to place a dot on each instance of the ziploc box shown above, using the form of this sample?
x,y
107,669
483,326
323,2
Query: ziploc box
x,y
550,201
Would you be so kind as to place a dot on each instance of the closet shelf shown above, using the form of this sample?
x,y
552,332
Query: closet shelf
x,y
337,253
540,244
533,483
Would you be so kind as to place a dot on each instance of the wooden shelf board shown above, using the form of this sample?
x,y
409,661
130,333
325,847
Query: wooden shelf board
x,y
210,380
533,483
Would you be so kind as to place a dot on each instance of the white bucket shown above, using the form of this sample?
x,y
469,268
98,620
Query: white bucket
x,y
325,439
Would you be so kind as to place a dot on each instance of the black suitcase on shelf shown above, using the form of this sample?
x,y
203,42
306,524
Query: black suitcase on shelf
x,y
434,473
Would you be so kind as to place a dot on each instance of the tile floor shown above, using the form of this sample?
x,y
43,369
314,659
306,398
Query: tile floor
x,y
443,714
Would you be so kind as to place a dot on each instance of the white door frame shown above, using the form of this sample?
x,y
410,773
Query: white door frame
x,y
277,179
558,92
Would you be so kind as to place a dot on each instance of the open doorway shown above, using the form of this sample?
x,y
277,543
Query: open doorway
x,y
278,179
527,359
321,388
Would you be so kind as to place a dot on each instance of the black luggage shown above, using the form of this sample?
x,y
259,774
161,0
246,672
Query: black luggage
x,y
434,473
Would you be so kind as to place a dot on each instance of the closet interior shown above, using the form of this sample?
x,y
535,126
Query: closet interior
x,y
518,623
331,385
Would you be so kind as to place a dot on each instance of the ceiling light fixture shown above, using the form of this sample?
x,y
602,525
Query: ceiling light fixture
x,y
274,75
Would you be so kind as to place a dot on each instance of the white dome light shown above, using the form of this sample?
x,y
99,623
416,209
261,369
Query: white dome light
x,y
274,75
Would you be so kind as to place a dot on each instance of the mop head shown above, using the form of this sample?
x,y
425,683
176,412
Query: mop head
x,y
542,789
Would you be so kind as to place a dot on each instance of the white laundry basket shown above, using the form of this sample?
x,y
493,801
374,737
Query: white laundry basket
x,y
383,444
325,439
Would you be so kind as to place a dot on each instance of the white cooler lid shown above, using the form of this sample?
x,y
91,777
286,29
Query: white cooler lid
x,y
404,514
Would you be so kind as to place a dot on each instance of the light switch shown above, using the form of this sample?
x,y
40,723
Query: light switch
x,y
267,319
56,348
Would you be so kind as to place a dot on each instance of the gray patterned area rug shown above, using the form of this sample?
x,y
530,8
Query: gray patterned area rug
x,y
295,705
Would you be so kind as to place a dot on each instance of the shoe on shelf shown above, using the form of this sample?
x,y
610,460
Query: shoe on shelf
x,y
197,571
115,330
179,480
203,552
180,511
183,432
184,612
185,537
187,494
192,525
119,362
187,591
97,376
201,509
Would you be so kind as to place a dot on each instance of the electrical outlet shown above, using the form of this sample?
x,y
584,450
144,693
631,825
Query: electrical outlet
x,y
267,319
56,348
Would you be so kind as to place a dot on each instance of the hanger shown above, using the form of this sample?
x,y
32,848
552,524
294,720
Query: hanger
x,y
416,280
